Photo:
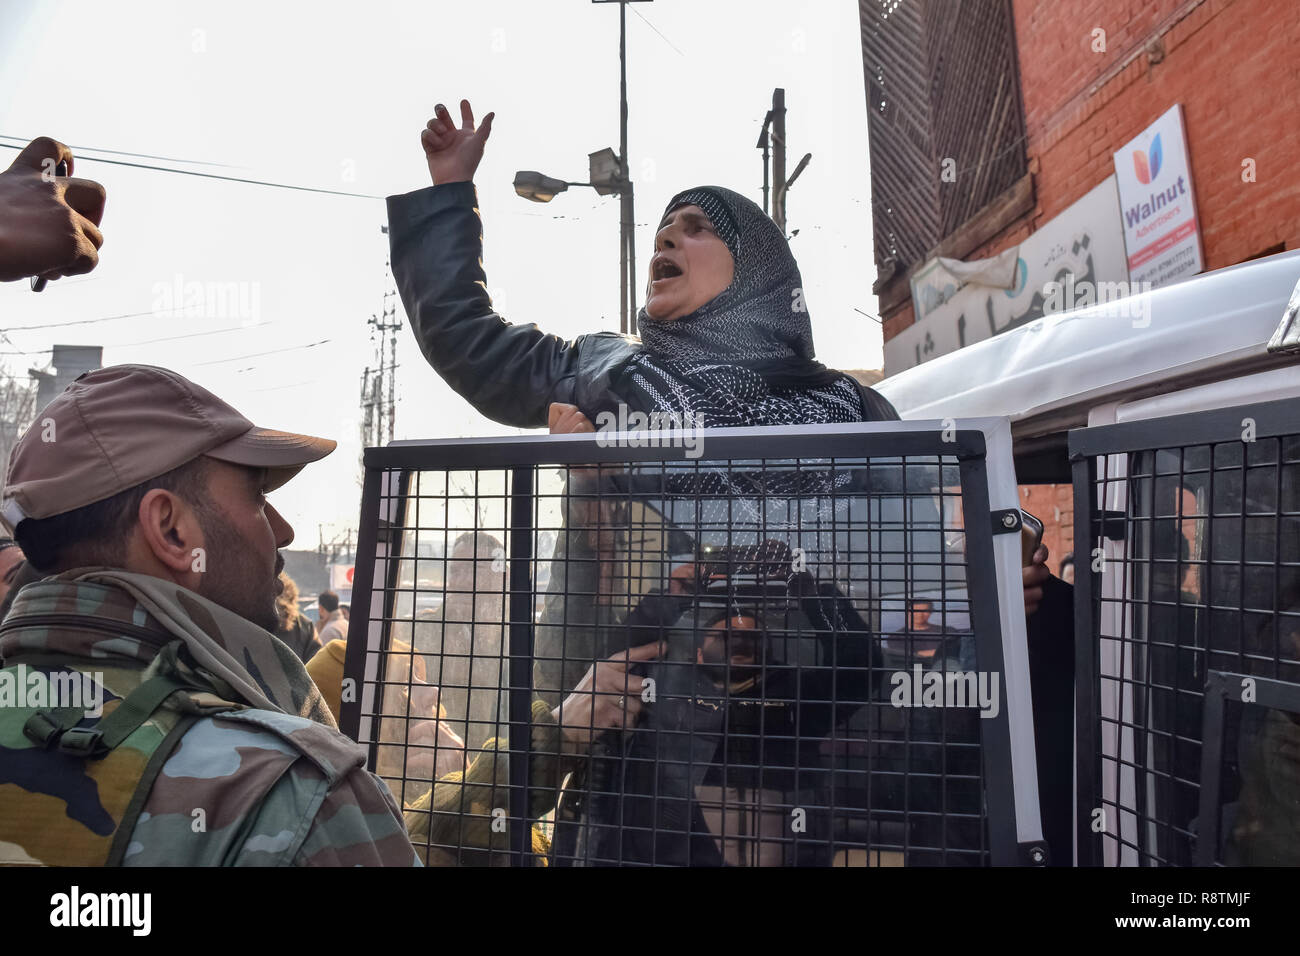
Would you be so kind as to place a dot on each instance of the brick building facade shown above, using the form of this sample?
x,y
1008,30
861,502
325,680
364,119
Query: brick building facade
x,y
1092,76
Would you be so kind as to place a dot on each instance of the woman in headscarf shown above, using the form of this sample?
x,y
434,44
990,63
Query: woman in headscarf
x,y
725,341
725,335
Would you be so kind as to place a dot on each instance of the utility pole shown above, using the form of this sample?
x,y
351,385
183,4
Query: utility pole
x,y
390,314
379,383
778,158
627,216
627,223
773,136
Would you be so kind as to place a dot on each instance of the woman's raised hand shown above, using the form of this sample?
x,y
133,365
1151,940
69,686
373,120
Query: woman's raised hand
x,y
454,154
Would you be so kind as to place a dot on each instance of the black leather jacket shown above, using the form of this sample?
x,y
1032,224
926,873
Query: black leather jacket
x,y
510,373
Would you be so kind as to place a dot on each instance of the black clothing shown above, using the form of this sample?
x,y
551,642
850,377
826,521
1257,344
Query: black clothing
x,y
510,373
300,634
767,736
1050,638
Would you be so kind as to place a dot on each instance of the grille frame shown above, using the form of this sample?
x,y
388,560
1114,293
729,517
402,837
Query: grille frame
x,y
980,447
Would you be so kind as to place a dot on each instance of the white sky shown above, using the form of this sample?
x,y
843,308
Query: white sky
x,y
334,96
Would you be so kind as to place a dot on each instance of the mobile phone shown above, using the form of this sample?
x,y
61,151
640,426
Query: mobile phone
x,y
38,283
1031,536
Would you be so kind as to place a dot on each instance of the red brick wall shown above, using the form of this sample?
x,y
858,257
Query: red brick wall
x,y
1231,63
1233,66
1051,504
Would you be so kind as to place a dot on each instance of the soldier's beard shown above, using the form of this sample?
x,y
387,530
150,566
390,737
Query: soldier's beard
x,y
233,577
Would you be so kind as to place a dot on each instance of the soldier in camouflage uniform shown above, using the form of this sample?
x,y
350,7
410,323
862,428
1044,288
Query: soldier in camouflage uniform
x,y
147,714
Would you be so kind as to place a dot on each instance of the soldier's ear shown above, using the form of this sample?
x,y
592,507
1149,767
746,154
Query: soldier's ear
x,y
169,528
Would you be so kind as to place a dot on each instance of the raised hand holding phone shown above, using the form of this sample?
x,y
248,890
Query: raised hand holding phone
x,y
49,222
1033,560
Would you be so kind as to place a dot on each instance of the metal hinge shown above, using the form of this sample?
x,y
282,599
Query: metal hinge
x,y
1033,854
1006,521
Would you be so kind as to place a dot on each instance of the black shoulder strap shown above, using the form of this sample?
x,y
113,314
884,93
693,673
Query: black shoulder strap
x,y
126,826
59,727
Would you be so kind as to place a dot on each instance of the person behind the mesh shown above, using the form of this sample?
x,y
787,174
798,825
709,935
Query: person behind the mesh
x,y
725,339
462,639
166,725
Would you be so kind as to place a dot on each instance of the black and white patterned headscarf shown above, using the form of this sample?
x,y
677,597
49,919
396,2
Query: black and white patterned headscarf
x,y
761,315
746,356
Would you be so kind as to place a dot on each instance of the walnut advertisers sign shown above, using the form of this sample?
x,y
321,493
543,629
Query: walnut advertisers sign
x,y
1161,233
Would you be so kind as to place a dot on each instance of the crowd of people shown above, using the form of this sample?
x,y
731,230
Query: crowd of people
x,y
145,553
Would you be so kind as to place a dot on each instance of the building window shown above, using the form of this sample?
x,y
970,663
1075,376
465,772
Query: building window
x,y
946,125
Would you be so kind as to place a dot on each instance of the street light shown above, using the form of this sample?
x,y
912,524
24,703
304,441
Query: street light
x,y
606,172
607,177
539,187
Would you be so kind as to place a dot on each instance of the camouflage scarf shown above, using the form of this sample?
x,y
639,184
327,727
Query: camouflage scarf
x,y
239,660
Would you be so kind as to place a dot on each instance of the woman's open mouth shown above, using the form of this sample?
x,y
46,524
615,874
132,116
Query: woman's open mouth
x,y
664,270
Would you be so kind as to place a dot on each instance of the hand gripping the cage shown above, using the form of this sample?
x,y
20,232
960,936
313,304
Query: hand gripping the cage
x,y
607,697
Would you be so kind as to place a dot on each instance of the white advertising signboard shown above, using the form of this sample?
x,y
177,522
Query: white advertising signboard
x,y
1161,232
341,576
1081,251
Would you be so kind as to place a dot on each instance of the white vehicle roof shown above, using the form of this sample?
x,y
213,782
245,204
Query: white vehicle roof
x,y
1046,375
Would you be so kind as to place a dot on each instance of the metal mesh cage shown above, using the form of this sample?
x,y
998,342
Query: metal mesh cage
x,y
1193,523
769,648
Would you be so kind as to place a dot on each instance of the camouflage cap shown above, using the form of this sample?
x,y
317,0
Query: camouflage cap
x,y
116,427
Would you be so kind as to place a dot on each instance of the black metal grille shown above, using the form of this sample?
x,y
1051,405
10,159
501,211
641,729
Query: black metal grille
x,y
942,84
765,723
1194,528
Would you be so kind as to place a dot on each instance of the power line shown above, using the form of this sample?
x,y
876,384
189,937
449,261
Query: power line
x,y
188,335
60,325
165,314
121,152
279,388
229,179
239,358
169,338
656,30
